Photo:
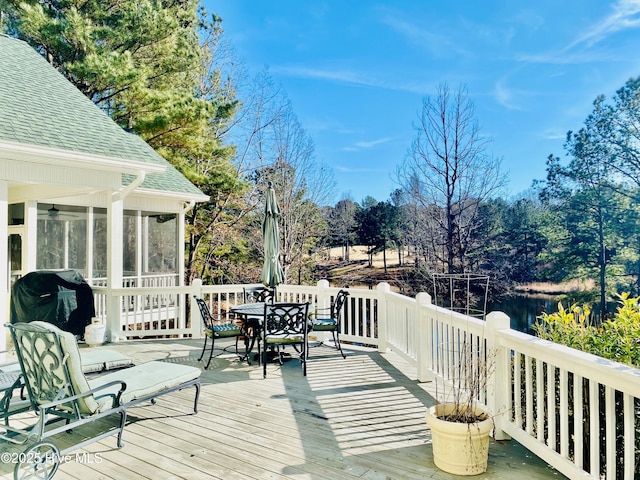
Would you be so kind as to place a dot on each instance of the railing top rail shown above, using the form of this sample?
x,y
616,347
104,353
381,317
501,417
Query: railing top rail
x,y
398,297
143,290
607,372
456,319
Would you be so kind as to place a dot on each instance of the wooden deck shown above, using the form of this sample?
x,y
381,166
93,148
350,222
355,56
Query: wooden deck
x,y
358,418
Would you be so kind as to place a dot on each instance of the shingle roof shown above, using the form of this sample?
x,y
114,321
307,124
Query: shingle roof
x,y
38,106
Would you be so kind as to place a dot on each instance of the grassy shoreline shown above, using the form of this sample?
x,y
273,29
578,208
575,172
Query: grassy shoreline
x,y
549,288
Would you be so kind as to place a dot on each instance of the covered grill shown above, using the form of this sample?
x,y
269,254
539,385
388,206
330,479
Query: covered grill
x,y
63,298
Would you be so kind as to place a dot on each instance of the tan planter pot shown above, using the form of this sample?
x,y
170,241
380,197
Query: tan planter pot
x,y
459,448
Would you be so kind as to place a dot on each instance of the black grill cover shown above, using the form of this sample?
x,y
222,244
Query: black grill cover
x,y
62,298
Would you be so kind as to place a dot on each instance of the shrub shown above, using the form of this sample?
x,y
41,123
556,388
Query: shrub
x,y
616,339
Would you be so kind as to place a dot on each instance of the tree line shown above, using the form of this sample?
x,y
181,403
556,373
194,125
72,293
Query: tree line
x,y
163,70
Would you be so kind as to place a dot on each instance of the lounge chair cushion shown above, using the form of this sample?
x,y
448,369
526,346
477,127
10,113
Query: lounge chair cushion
x,y
142,381
147,379
93,360
101,359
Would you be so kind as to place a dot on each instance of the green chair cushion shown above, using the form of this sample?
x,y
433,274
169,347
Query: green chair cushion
x,y
324,324
224,330
284,339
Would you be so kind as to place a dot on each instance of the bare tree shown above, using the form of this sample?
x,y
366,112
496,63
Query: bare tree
x,y
285,156
448,172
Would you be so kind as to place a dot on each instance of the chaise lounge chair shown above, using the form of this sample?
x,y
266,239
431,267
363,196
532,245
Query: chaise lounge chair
x,y
58,390
93,360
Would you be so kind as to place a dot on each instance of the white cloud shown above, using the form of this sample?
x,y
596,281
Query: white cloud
x,y
626,15
504,96
554,135
364,145
353,78
372,143
345,169
440,45
333,75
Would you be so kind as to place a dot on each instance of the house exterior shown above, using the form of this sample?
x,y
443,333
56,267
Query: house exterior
x,y
76,190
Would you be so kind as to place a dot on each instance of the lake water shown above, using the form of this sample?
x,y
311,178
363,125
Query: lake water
x,y
524,309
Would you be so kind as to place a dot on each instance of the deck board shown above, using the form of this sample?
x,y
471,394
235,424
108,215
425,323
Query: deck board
x,y
356,418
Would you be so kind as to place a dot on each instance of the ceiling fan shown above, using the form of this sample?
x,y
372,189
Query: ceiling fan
x,y
54,213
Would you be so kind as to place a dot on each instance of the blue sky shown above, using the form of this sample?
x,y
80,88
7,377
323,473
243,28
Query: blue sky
x,y
357,72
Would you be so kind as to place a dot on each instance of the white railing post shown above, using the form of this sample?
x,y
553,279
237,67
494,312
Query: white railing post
x,y
323,304
499,380
424,342
196,320
382,288
323,297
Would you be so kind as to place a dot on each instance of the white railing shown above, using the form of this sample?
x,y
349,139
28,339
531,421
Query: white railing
x,y
578,412
145,280
144,312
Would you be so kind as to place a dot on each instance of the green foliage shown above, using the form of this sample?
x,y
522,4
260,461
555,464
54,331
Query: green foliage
x,y
617,339
153,67
377,225
587,197
570,327
341,224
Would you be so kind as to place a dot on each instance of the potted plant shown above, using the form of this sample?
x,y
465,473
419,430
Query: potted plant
x,y
460,428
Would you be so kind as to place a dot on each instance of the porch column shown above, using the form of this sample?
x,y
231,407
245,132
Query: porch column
x,y
89,244
115,219
4,259
30,237
180,247
182,304
142,237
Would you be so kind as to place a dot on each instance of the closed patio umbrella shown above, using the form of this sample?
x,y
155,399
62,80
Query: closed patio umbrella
x,y
272,274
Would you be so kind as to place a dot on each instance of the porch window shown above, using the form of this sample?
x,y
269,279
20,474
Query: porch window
x,y
130,235
150,244
99,246
62,238
161,247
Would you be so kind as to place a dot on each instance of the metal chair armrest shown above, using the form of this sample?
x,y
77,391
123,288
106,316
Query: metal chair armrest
x,y
78,396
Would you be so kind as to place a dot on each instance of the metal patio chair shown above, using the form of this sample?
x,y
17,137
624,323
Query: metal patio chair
x,y
259,294
285,324
331,323
253,324
64,399
216,327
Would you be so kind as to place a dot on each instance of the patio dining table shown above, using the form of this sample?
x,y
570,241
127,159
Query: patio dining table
x,y
249,309
251,315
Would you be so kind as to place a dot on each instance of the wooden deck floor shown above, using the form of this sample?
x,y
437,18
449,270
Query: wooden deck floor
x,y
359,418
